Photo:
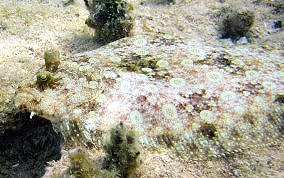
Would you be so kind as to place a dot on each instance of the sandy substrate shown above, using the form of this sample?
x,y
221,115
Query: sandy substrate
x,y
28,28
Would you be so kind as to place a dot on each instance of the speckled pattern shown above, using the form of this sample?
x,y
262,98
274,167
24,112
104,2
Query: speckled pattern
x,y
199,100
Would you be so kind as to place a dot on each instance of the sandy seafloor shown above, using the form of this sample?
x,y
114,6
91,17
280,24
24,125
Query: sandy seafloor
x,y
28,28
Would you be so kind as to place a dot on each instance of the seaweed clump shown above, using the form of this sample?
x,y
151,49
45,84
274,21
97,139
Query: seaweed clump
x,y
110,19
138,64
163,2
236,24
82,166
45,78
121,151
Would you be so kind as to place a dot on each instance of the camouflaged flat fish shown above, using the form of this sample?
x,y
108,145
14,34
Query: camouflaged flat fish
x,y
198,100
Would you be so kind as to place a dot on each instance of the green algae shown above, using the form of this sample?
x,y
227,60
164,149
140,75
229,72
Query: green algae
x,y
121,157
148,65
52,59
121,151
44,80
110,19
136,66
82,166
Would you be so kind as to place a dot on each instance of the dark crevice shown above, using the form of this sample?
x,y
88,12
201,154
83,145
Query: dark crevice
x,y
26,145
208,130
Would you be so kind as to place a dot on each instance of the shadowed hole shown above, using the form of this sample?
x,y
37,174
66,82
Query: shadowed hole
x,y
208,130
26,145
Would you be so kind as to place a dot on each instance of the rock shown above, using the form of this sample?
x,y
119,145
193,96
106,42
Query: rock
x,y
236,24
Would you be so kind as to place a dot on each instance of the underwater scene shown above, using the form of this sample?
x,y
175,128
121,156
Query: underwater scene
x,y
141,88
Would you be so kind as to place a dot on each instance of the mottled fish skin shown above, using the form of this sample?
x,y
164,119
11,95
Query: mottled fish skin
x,y
182,95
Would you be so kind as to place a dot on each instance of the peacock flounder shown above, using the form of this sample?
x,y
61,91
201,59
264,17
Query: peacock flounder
x,y
198,100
